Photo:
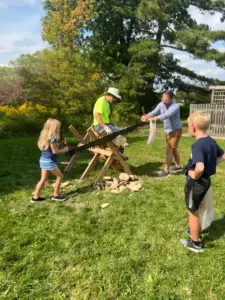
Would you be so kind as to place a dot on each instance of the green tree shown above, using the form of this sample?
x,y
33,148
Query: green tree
x,y
65,22
197,96
60,79
128,39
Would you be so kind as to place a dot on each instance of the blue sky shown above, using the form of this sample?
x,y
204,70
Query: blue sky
x,y
20,32
20,28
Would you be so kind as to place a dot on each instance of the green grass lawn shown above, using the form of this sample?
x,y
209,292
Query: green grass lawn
x,y
130,250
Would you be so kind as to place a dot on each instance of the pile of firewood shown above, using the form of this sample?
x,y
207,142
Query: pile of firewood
x,y
125,182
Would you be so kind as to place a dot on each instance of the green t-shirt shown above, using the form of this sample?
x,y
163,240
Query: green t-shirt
x,y
103,108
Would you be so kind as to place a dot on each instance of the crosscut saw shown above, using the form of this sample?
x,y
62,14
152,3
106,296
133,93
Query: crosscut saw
x,y
105,139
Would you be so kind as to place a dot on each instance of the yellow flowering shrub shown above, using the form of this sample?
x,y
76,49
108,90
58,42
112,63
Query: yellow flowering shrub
x,y
25,109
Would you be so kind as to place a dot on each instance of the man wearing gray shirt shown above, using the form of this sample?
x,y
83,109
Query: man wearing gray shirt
x,y
168,111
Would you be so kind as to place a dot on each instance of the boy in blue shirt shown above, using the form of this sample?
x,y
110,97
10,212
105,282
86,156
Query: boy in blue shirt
x,y
206,154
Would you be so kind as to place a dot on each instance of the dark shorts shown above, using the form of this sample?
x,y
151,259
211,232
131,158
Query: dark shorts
x,y
195,191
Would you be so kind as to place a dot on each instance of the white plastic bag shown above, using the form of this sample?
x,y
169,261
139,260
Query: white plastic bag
x,y
152,132
207,211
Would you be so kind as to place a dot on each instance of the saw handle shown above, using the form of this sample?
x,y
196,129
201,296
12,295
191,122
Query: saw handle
x,y
143,114
71,151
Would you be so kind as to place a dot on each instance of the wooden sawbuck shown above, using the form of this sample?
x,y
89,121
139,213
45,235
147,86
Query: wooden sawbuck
x,y
109,153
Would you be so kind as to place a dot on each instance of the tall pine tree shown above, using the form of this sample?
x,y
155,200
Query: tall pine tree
x,y
131,40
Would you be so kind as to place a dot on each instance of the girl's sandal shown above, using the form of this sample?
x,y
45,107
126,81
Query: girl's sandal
x,y
39,199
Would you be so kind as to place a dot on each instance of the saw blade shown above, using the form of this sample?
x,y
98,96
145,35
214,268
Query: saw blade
x,y
107,138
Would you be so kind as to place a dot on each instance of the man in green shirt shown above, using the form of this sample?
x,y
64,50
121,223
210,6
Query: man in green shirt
x,y
101,111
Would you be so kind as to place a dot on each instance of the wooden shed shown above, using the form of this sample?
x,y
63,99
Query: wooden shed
x,y
218,94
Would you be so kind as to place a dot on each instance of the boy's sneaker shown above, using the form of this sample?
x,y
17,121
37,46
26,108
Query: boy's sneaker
x,y
195,247
176,169
163,174
60,197
39,199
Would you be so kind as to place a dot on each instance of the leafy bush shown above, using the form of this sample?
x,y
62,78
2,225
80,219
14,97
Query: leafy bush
x,y
29,119
21,124
125,113
2,114
184,111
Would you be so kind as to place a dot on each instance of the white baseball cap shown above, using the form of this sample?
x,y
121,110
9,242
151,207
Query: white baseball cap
x,y
114,92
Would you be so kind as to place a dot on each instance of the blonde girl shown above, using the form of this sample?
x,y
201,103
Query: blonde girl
x,y
48,143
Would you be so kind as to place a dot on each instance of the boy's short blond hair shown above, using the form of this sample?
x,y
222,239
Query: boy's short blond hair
x,y
201,119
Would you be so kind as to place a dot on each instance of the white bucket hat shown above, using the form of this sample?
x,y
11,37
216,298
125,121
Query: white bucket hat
x,y
114,92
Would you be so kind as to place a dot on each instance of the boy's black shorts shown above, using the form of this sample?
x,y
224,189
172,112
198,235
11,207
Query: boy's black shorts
x,y
195,191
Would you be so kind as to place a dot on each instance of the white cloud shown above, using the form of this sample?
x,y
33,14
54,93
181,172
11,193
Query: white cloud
x,y
221,49
20,33
13,45
199,66
202,67
213,21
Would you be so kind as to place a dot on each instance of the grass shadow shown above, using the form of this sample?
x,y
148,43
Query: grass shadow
x,y
82,190
12,180
216,230
148,169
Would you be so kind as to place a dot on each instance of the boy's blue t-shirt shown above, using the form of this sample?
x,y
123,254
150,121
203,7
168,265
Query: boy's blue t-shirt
x,y
207,151
47,153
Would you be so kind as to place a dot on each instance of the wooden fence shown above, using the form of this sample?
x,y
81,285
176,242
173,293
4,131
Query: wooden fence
x,y
217,117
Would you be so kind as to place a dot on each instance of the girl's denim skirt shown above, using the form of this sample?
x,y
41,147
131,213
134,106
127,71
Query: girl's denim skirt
x,y
47,164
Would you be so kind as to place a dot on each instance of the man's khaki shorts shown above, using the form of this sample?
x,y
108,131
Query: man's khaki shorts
x,y
173,138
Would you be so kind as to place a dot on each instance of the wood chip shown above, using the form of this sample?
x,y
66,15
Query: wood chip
x,y
64,162
104,205
107,178
123,188
134,186
123,183
133,177
124,176
66,184
114,184
138,186
115,180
